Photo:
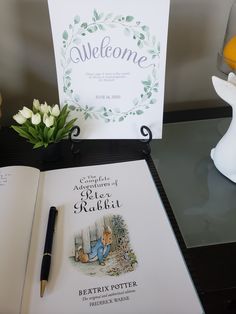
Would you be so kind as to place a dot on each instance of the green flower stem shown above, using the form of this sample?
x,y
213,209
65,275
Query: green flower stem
x,y
72,36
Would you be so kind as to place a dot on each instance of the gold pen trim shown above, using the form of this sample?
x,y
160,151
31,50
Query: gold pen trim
x,y
43,284
47,254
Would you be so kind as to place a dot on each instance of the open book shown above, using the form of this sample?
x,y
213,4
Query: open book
x,y
114,250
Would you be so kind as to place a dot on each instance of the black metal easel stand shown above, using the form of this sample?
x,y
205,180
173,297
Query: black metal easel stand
x,y
75,140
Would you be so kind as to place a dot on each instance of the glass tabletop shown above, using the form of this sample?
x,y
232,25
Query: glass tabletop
x,y
202,199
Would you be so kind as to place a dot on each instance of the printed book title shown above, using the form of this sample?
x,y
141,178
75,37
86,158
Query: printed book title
x,y
91,198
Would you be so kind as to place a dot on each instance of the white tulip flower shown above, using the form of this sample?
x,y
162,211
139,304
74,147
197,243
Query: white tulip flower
x,y
26,112
49,109
48,120
40,125
19,118
36,119
45,116
55,111
36,104
44,108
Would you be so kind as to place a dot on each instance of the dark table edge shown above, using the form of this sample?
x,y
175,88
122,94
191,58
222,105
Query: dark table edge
x,y
196,114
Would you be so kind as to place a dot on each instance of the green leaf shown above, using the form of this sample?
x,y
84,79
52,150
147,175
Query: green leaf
x,y
40,133
33,132
21,132
84,25
45,133
153,101
95,13
139,112
67,128
37,145
129,18
68,71
33,141
145,28
24,128
76,97
86,116
65,35
59,135
76,19
101,27
141,36
61,121
50,133
121,119
92,29
63,111
72,107
69,125
27,123
140,44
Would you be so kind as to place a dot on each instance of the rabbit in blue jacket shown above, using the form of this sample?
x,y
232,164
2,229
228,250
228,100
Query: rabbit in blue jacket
x,y
100,250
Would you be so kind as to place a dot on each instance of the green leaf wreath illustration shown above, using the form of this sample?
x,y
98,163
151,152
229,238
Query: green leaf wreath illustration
x,y
140,34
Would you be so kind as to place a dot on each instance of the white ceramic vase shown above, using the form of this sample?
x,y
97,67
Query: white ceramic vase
x,y
224,154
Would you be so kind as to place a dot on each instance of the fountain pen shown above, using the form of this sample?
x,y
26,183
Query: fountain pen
x,y
46,260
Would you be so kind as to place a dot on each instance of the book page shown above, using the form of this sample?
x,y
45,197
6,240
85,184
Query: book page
x,y
110,60
18,189
114,249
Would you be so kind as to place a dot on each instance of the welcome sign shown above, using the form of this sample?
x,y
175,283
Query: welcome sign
x,y
110,59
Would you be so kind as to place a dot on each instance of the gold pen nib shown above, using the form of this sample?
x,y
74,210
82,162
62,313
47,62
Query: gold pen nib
x,y
42,287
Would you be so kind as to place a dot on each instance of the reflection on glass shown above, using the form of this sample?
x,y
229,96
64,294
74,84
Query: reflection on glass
x,y
227,56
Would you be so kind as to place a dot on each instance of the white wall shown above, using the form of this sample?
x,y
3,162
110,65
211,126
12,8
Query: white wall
x,y
196,33
27,67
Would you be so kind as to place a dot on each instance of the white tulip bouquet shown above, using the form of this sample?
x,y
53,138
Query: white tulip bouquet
x,y
43,124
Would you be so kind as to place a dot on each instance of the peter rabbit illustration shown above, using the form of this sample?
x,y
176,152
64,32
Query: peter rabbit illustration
x,y
99,251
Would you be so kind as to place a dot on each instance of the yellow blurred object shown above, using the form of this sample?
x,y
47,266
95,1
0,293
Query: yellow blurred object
x,y
229,53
